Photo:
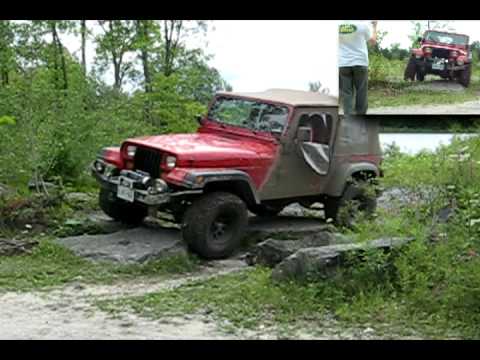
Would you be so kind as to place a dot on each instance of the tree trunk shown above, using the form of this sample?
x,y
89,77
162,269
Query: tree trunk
x,y
83,31
58,50
143,32
116,72
168,47
64,65
55,55
4,77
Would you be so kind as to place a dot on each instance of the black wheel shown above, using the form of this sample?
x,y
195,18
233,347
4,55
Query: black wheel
x,y
214,224
267,210
420,74
357,198
410,70
464,78
119,210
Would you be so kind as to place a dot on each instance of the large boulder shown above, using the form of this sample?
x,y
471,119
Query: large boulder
x,y
322,261
16,247
135,245
272,251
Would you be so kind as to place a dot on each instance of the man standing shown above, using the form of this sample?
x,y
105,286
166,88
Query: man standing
x,y
353,64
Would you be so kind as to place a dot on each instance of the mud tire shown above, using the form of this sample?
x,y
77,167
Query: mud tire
x,y
354,192
410,70
214,225
119,210
420,74
464,78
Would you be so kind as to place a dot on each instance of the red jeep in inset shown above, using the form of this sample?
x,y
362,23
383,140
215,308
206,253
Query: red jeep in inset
x,y
441,53
253,151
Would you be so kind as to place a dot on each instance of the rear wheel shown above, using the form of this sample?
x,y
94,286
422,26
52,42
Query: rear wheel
x,y
357,199
410,70
214,224
465,75
119,210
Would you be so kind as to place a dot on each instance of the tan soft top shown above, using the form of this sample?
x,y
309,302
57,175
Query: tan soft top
x,y
289,97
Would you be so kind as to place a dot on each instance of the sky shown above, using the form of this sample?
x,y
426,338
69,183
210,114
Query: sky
x,y
257,55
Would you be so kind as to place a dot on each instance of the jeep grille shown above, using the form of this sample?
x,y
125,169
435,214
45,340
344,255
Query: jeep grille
x,y
441,53
148,160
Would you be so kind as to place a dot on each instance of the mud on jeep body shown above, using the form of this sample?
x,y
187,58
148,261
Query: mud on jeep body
x,y
447,55
253,151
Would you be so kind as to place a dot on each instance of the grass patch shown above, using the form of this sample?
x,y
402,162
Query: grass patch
x,y
250,299
246,299
50,264
404,94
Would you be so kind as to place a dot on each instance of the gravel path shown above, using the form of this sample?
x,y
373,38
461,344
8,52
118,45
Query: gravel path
x,y
69,312
466,108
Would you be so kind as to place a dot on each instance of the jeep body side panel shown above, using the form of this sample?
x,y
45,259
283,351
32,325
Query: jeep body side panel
x,y
291,175
357,150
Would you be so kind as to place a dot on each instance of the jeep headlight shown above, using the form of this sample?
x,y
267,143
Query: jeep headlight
x,y
170,161
99,166
131,150
158,186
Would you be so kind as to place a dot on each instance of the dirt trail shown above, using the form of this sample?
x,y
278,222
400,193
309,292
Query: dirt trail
x,y
69,312
466,108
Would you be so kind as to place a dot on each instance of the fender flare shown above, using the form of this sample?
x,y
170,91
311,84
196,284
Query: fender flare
x,y
199,179
336,188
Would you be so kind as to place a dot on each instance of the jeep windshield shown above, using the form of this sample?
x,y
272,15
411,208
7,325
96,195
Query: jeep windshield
x,y
253,115
445,38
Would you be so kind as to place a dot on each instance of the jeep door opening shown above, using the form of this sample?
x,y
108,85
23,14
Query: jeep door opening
x,y
256,152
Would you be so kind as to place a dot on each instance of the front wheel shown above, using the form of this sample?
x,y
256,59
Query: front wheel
x,y
358,198
465,75
420,74
214,224
410,70
119,210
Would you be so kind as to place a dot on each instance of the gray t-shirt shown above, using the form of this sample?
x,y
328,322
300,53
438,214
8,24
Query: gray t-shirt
x,y
353,37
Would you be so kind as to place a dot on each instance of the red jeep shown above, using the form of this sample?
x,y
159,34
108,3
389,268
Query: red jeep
x,y
252,151
441,53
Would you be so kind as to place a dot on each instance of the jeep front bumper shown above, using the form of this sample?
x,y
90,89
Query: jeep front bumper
x,y
141,188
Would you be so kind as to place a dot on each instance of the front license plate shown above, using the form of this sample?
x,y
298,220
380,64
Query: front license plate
x,y
125,191
438,66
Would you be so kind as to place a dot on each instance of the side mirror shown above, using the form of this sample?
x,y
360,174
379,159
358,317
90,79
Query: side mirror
x,y
304,134
419,39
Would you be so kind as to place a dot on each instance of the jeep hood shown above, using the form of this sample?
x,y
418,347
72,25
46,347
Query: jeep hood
x,y
435,45
203,150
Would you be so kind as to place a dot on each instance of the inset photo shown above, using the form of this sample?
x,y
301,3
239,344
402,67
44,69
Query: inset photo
x,y
424,67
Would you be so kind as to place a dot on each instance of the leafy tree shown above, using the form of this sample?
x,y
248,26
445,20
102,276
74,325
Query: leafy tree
x,y
7,53
115,42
